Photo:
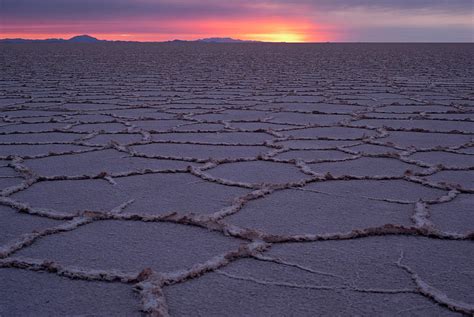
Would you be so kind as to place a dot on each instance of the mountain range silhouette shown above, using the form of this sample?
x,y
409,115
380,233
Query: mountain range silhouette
x,y
90,39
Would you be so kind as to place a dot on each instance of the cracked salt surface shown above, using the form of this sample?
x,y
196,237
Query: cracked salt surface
x,y
312,186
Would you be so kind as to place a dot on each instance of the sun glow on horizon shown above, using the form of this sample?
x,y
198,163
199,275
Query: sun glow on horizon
x,y
277,37
267,30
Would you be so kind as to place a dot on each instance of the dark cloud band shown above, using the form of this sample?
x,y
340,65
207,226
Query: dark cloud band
x,y
66,9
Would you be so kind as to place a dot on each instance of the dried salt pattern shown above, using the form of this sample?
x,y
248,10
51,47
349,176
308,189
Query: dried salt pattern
x,y
194,179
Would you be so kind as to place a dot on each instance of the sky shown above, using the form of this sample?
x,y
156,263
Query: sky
x,y
262,20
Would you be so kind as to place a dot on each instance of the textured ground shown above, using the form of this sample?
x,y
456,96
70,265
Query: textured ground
x,y
232,180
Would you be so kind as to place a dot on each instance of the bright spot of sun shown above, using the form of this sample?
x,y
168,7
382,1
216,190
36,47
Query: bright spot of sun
x,y
278,37
279,31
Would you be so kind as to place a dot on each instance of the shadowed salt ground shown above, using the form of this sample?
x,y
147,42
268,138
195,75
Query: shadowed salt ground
x,y
236,180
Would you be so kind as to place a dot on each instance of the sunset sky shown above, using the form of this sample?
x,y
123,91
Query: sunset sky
x,y
266,20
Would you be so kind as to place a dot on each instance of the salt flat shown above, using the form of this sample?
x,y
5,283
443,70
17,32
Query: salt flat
x,y
192,179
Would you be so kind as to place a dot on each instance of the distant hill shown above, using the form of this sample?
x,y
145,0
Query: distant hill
x,y
16,41
84,39
75,39
89,39
222,40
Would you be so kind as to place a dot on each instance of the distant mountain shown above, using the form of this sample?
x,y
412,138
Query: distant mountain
x,y
17,41
89,39
75,39
84,39
223,40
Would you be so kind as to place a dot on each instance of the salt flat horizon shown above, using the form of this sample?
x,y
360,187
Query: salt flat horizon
x,y
244,42
237,180
226,40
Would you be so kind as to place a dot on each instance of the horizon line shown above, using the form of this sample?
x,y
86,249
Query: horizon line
x,y
237,41
215,40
